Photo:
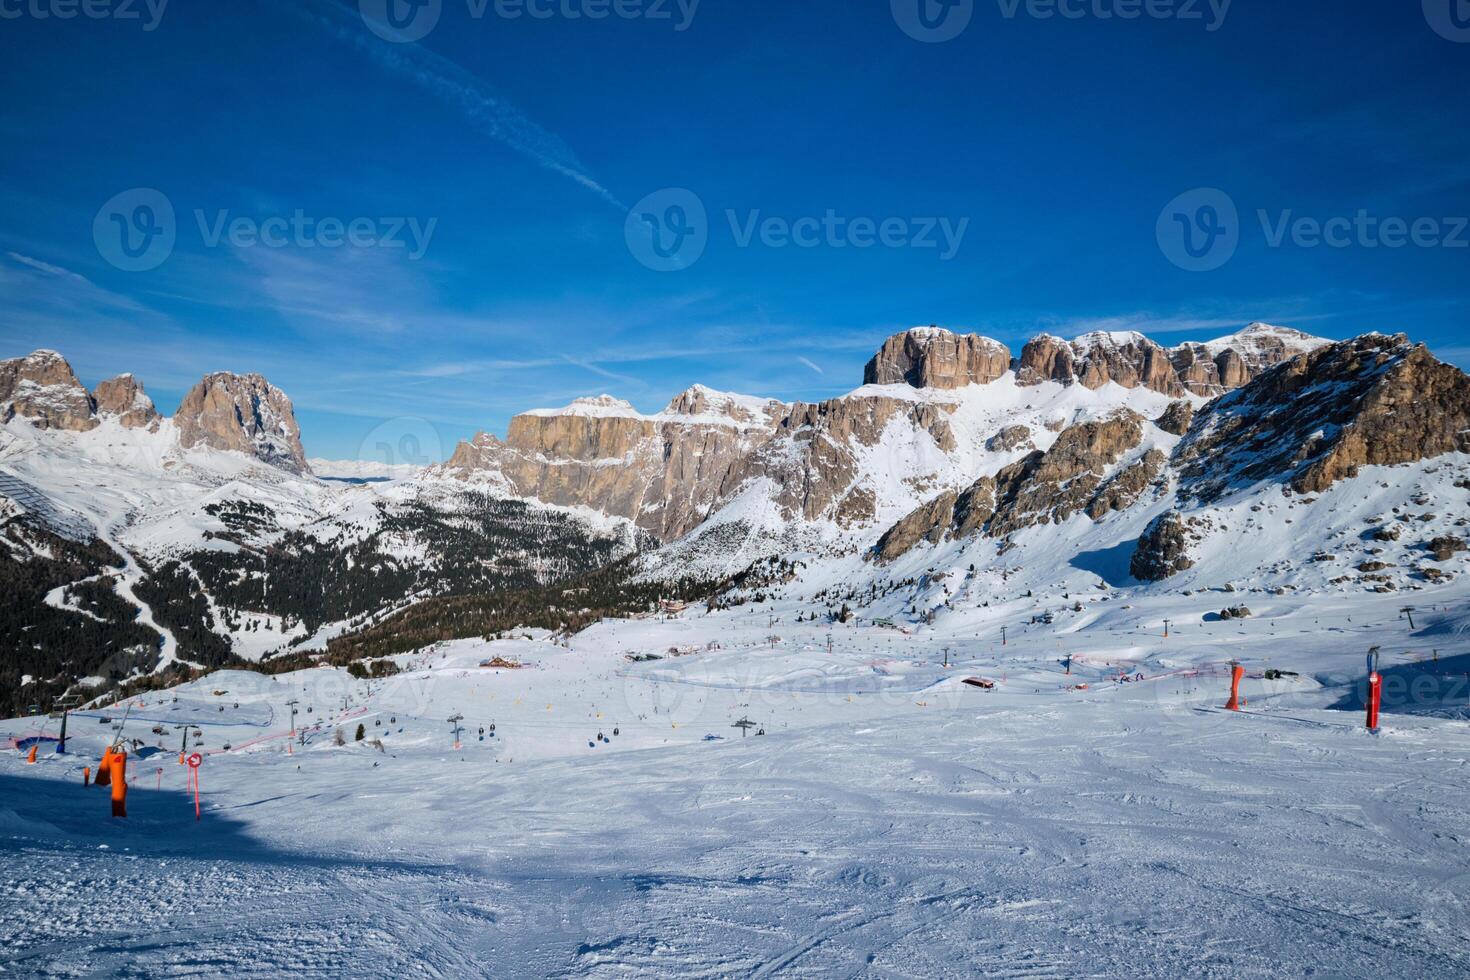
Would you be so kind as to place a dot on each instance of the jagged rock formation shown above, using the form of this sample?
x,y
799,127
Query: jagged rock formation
x,y
1126,359
42,388
1163,550
927,523
1314,420
931,357
1040,488
1130,359
1222,365
242,413
835,463
813,460
1068,475
1125,487
123,398
1176,418
664,472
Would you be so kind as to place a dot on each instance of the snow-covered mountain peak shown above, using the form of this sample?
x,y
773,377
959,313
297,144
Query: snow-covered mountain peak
x,y
595,406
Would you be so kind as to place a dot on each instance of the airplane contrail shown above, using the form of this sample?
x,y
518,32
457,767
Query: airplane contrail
x,y
480,105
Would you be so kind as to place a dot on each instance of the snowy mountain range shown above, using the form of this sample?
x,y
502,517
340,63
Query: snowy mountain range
x,y
1267,459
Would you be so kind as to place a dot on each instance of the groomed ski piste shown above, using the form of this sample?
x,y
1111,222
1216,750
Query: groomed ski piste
x,y
892,820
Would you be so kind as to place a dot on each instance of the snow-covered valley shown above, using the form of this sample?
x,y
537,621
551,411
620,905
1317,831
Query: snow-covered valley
x,y
890,820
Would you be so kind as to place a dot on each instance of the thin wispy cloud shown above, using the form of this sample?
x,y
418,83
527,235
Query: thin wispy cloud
x,y
483,108
809,364
48,268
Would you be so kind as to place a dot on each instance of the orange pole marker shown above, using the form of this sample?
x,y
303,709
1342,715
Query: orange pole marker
x,y
31,756
1236,673
119,784
86,775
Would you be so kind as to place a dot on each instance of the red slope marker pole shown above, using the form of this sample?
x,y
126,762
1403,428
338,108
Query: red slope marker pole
x,y
194,762
1375,698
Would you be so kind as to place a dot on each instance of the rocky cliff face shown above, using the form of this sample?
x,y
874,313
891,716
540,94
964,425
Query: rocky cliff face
x,y
1222,365
1314,420
242,413
813,459
1132,360
930,357
42,388
663,472
1075,474
124,399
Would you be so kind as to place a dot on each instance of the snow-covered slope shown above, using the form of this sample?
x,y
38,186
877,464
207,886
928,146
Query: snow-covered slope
x,y
200,555
602,816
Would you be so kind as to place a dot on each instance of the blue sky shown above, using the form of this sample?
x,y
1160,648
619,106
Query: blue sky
x,y
1054,142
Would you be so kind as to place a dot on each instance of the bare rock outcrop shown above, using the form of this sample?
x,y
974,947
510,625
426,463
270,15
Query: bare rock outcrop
x,y
1176,418
1046,358
1446,546
1039,488
42,388
931,357
813,459
664,472
1320,417
1222,365
242,413
124,399
955,515
929,523
1009,439
1065,478
1124,488
1163,549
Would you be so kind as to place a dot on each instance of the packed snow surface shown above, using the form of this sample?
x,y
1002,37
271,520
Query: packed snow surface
x,y
891,820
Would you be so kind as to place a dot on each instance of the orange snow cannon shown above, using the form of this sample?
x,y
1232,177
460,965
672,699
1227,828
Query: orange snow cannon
x,y
1236,673
119,784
